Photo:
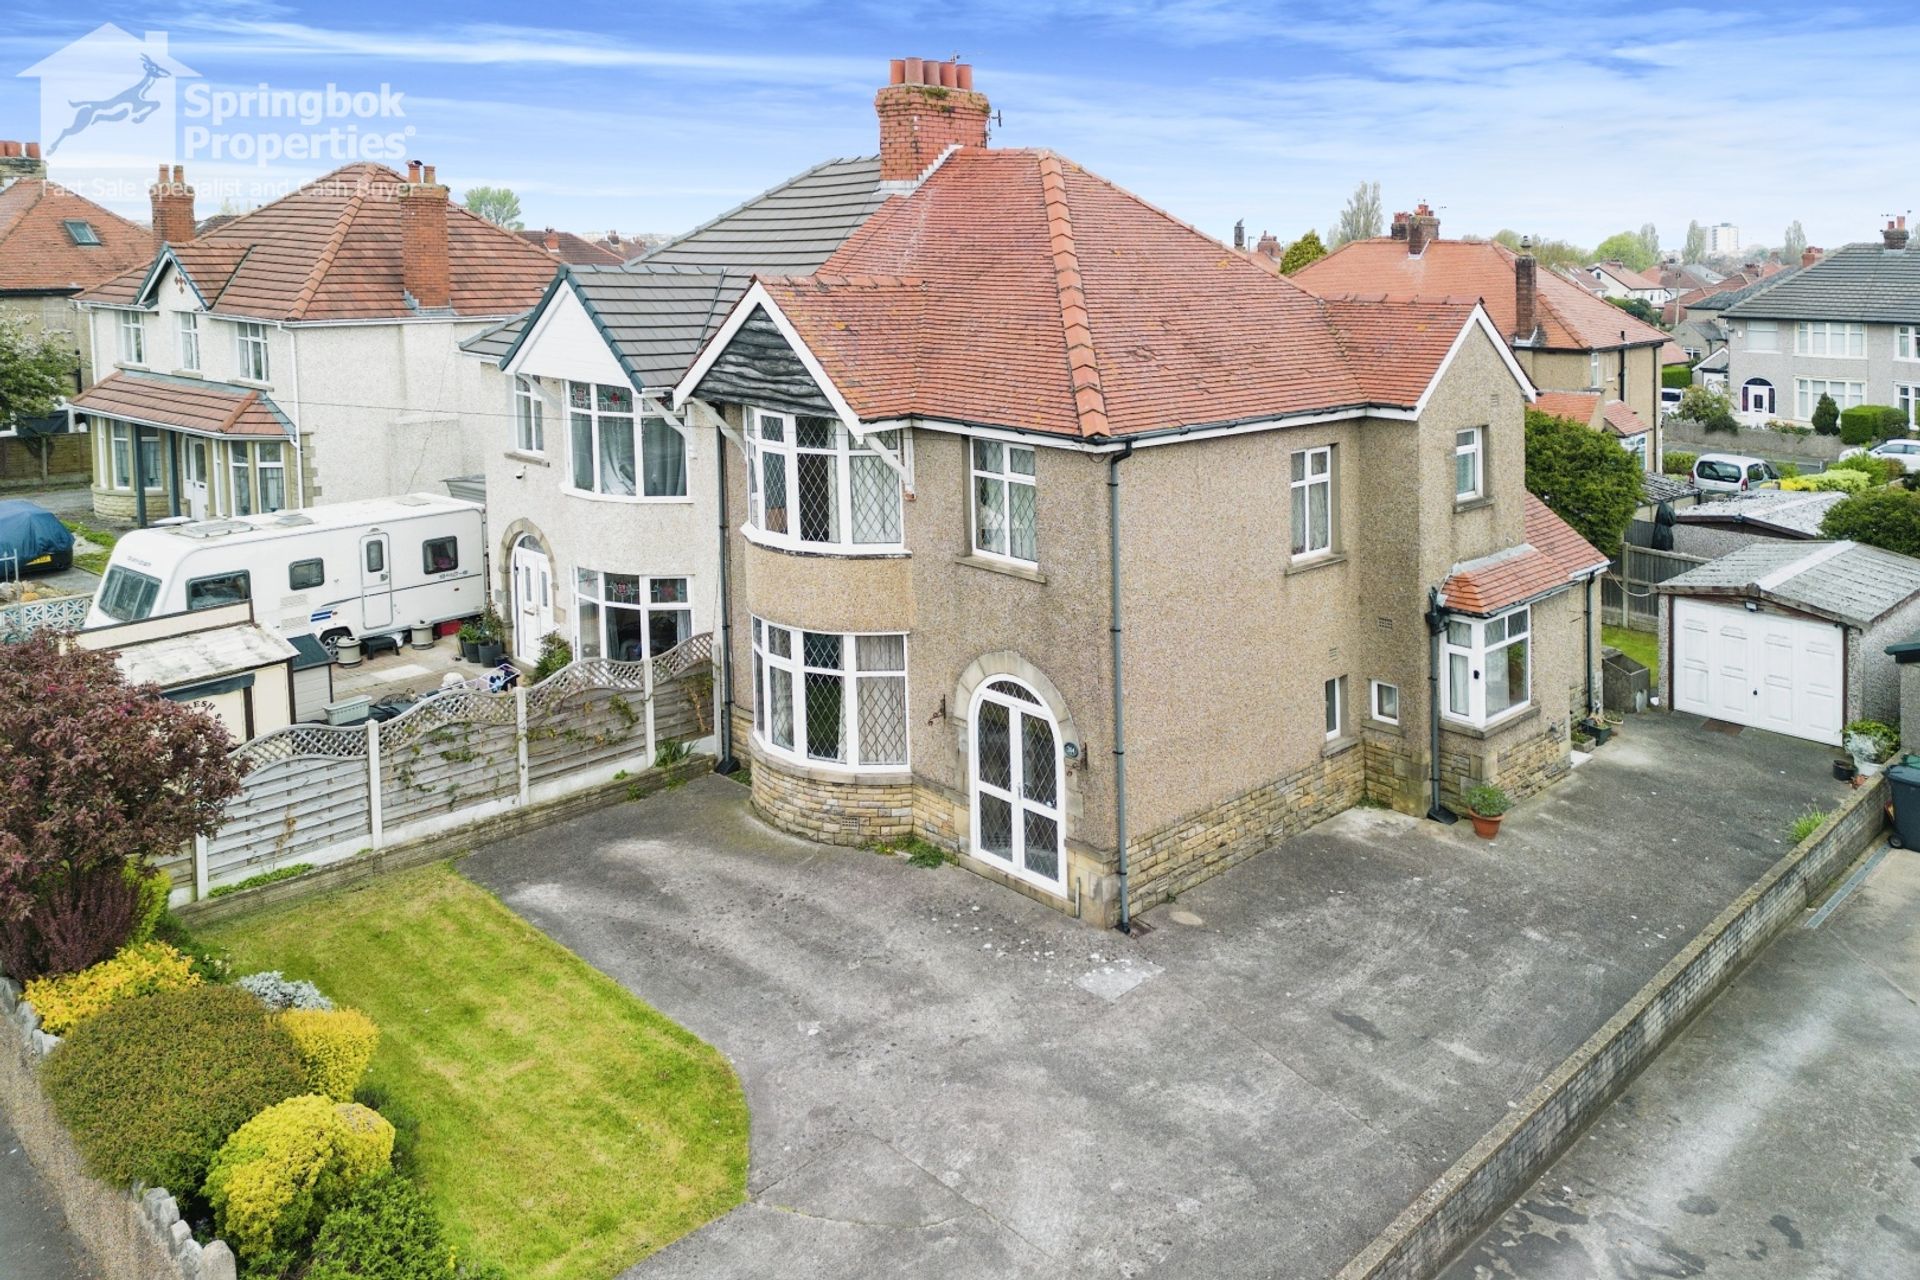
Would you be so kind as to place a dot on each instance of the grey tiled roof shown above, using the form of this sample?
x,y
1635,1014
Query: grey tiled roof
x,y
1780,510
495,340
789,230
1726,299
1655,487
1845,581
1865,282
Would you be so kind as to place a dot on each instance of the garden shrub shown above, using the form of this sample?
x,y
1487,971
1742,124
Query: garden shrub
x,y
151,1088
1840,481
1869,424
1708,406
208,959
151,886
279,992
1675,463
385,1230
1888,518
1876,470
276,1178
1826,416
336,1045
1677,376
67,1001
555,654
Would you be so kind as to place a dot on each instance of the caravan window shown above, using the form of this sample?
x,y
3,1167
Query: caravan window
x,y
211,593
376,555
304,574
127,596
440,555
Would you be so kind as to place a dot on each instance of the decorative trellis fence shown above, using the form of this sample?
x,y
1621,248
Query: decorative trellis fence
x,y
22,618
318,794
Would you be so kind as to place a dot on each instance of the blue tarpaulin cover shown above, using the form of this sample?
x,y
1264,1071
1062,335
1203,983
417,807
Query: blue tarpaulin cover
x,y
29,531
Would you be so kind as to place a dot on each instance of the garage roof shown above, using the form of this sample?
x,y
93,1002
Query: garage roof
x,y
1842,581
1797,515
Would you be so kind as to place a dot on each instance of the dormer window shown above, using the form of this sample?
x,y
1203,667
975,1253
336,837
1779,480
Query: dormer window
x,y
81,232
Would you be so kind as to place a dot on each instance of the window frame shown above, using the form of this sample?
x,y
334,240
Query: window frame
x,y
1476,449
1299,542
644,603
252,355
189,338
641,423
1374,689
1333,696
1907,335
1771,328
854,681
1004,479
246,589
317,564
1478,658
845,449
529,418
1594,375
262,467
1848,330
133,338
426,554
75,227
1805,398
1906,395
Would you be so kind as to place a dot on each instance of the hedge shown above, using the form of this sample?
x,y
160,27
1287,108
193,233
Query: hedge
x,y
151,1088
1678,376
1675,463
1869,424
65,1002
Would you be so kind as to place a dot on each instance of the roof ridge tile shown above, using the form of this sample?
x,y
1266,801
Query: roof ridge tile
x,y
1083,359
323,261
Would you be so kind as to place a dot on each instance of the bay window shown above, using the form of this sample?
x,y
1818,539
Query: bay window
x,y
1488,666
122,439
1003,500
1469,457
529,418
619,454
133,338
252,339
629,617
824,697
190,340
810,482
1829,338
1312,495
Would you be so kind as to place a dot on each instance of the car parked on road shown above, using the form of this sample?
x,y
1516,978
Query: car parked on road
x,y
32,540
1904,452
1733,473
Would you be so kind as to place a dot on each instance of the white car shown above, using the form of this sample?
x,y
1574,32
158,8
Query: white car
x,y
1669,400
1733,473
1904,452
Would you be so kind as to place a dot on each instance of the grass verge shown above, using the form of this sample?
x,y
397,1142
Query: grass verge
x,y
1642,646
563,1128
92,561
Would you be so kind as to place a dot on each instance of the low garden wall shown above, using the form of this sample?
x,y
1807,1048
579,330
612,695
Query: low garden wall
x,y
129,1236
1683,435
1500,1168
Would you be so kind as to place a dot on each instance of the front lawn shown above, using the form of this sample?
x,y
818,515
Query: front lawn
x,y
94,561
1642,646
565,1129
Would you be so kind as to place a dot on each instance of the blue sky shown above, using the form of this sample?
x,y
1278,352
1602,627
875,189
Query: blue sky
x,y
1559,119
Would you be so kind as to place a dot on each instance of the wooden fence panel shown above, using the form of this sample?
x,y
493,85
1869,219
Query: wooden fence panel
x,y
453,765
288,809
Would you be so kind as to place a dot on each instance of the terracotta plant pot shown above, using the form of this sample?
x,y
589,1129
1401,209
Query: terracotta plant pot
x,y
1485,828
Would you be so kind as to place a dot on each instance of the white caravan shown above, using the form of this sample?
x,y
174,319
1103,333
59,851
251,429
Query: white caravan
x,y
367,568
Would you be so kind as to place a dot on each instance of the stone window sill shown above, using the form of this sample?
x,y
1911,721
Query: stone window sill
x,y
1473,504
188,373
1494,730
1339,746
536,459
1385,726
1008,567
1308,565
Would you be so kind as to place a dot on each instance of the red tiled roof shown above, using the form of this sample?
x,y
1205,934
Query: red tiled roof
x,y
1015,288
331,251
1575,406
1570,318
1551,557
212,408
1622,420
1674,353
570,248
1627,276
37,253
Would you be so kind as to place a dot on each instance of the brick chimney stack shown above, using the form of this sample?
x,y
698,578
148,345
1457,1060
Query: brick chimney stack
x,y
424,266
1895,235
1400,221
21,160
925,108
1526,293
1268,247
172,208
1422,228
1811,255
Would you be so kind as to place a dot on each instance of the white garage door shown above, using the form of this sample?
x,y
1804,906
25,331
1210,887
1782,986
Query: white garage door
x,y
1762,669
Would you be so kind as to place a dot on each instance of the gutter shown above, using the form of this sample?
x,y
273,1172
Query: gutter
x,y
1119,679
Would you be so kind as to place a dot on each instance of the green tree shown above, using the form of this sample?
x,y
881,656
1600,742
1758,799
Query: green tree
x,y
1551,254
1794,245
1885,517
1639,308
1826,417
498,205
1303,252
1362,218
1650,241
1696,250
1709,406
1584,477
1626,248
35,371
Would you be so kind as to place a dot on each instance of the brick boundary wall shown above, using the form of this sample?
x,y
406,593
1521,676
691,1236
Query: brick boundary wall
x,y
1497,1171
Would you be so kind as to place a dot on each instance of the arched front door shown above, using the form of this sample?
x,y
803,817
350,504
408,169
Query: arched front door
x,y
1757,396
532,596
1016,767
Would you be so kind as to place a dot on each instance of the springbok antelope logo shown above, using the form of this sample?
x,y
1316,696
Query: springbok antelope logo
x,y
131,104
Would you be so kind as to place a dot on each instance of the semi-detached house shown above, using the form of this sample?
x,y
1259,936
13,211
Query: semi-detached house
x,y
1056,533
303,353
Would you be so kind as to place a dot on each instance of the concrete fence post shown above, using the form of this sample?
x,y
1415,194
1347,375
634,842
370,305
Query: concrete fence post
x,y
199,868
374,819
520,740
646,685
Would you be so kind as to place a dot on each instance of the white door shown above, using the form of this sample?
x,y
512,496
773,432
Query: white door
x,y
532,597
376,582
1016,785
1761,669
193,471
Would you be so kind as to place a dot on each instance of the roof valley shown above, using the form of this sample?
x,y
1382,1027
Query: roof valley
x,y
1083,363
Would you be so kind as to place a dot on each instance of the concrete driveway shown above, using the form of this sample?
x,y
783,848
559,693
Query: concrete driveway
x,y
949,1080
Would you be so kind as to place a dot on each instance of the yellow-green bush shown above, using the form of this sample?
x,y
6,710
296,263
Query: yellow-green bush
x,y
1843,480
151,887
336,1046
279,1175
66,1001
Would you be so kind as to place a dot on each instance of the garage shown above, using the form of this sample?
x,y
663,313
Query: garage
x,y
1789,636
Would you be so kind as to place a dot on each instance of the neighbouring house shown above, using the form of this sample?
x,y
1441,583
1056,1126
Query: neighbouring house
x,y
1790,636
53,243
219,658
304,352
564,246
1695,317
1618,280
1845,325
999,415
1615,417
1565,337
1740,519
1685,277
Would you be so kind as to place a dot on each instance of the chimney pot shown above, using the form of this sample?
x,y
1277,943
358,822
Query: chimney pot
x,y
426,174
963,76
33,151
1809,256
949,79
912,70
9,149
163,173
1269,245
917,127
1895,236
897,71
413,171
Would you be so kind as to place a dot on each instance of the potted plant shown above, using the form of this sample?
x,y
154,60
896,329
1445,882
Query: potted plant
x,y
492,646
469,636
1871,744
1486,805
1597,728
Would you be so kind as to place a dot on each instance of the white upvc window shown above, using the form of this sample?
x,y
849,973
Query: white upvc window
x,y
1488,666
133,338
1637,446
1907,396
1312,501
252,350
1003,501
240,478
810,483
609,458
1906,342
629,617
1335,696
1469,461
1386,701
190,340
120,438
1763,335
826,698
1593,370
529,417
1807,393
1829,338
270,466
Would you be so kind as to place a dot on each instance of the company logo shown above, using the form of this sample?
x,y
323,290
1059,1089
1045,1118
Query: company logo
x,y
110,99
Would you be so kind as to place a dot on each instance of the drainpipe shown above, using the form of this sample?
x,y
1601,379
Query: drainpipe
x,y
139,475
1436,623
1586,634
727,763
1119,683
